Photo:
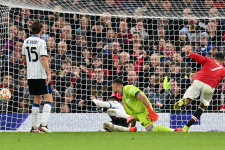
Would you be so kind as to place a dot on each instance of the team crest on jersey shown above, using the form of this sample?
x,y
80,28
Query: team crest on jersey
x,y
127,101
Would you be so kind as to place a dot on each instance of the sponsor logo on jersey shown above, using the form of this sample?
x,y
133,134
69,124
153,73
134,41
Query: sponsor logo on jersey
x,y
131,90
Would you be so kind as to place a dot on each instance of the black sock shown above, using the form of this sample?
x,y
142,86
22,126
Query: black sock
x,y
195,117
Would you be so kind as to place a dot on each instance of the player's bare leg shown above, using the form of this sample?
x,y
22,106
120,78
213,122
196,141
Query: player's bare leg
x,y
115,128
194,117
34,115
182,102
46,113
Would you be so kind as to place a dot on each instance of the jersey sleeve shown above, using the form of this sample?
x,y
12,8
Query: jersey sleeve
x,y
23,49
198,58
43,49
132,90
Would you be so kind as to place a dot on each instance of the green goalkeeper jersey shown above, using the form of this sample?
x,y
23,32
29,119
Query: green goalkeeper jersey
x,y
131,102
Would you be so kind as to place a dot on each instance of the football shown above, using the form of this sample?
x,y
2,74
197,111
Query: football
x,y
5,94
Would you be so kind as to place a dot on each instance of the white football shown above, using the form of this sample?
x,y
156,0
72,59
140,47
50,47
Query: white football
x,y
5,94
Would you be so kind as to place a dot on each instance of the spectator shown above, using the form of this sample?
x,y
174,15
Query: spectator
x,y
168,53
160,33
162,43
134,79
118,65
53,77
219,4
156,93
154,62
139,28
175,94
124,35
23,106
160,71
13,64
25,14
13,36
45,33
185,68
137,15
23,71
175,71
59,24
112,57
187,4
183,39
193,25
64,108
107,42
29,22
205,46
96,62
85,26
51,46
19,100
81,42
5,22
7,82
208,4
63,78
152,5
86,57
18,47
97,35
69,99
215,36
61,55
137,38
166,6
140,59
22,35
66,36
107,21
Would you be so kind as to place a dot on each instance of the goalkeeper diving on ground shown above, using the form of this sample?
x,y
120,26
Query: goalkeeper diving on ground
x,y
137,108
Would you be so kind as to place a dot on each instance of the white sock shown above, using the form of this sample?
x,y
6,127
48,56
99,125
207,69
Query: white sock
x,y
34,115
117,113
46,113
115,128
120,128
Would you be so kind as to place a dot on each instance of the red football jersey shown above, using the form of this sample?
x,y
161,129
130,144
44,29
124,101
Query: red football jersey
x,y
211,73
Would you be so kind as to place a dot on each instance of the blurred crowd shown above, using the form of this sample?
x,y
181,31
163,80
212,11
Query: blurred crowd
x,y
86,52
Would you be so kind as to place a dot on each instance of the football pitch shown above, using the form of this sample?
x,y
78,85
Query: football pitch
x,y
112,141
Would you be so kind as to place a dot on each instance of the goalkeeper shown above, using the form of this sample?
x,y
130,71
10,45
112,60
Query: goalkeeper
x,y
137,105
116,112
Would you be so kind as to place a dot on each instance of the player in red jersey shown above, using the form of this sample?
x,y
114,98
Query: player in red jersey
x,y
205,81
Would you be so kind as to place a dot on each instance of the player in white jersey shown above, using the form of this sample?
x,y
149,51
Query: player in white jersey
x,y
117,113
38,75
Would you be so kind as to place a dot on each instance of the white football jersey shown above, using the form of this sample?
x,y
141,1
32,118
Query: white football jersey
x,y
116,105
33,48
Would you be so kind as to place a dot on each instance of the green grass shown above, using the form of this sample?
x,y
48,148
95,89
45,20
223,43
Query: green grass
x,y
112,141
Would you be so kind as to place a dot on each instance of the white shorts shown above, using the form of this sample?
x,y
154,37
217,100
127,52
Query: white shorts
x,y
199,88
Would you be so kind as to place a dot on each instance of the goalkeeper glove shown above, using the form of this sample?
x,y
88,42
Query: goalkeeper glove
x,y
130,118
152,115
